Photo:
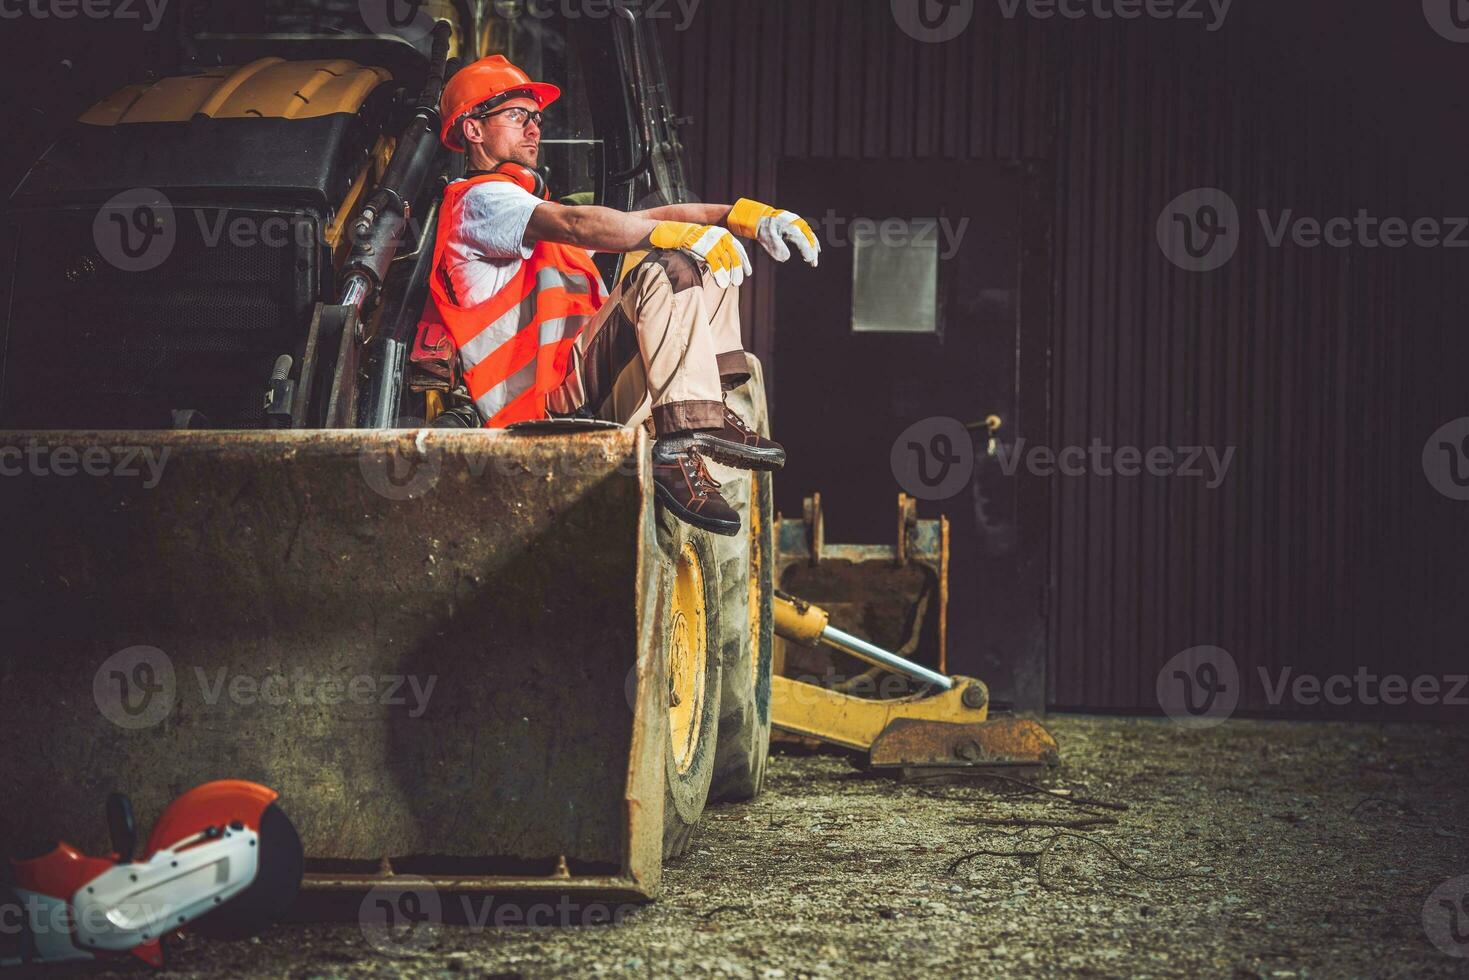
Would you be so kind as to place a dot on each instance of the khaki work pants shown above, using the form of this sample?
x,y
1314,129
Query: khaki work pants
x,y
666,344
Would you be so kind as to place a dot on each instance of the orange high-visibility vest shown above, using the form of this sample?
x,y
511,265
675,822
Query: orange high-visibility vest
x,y
516,346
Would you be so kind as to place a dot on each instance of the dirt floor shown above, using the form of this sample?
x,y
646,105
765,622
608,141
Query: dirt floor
x,y
1258,849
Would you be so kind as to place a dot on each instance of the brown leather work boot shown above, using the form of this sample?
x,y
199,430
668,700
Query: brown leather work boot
x,y
740,446
683,484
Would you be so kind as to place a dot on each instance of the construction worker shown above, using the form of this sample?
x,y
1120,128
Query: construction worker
x,y
515,286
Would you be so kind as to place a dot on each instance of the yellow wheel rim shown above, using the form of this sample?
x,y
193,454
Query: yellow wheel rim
x,y
688,658
757,571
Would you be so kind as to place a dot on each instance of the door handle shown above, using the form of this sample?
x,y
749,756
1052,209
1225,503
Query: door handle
x,y
992,424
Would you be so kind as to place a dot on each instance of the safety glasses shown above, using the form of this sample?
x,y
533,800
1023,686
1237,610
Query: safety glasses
x,y
517,116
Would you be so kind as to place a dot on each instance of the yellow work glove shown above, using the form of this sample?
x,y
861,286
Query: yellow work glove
x,y
773,228
720,250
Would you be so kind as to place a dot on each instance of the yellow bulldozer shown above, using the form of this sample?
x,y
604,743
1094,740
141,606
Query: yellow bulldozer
x,y
243,543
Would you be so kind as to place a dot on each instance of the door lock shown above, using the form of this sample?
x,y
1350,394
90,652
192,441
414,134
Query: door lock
x,y
992,425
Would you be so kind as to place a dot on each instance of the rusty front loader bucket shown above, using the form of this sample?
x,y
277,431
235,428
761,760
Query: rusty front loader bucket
x,y
862,659
946,725
440,648
895,596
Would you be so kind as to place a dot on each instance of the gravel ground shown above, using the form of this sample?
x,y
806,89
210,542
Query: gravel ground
x,y
1258,849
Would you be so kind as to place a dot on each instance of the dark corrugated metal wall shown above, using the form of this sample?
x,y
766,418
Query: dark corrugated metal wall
x,y
835,78
1326,369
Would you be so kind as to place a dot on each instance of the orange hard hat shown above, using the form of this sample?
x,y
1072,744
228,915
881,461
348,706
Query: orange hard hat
x,y
486,79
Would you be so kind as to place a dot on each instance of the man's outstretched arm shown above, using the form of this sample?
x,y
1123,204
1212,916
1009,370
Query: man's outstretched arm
x,y
700,228
777,231
699,214
607,230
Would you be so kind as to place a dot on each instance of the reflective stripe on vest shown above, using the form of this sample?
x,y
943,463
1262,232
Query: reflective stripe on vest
x,y
552,334
516,347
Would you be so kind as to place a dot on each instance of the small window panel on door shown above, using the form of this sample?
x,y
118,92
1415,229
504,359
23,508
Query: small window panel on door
x,y
895,278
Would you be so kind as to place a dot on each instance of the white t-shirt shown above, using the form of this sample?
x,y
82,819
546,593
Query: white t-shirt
x,y
487,244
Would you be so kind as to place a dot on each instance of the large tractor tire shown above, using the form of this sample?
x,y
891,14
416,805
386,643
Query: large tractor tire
x,y
693,669
720,640
746,616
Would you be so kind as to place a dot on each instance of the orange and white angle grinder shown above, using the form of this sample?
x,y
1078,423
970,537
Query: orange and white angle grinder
x,y
223,859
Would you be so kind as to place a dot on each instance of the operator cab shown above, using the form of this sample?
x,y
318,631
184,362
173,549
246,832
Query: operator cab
x,y
171,256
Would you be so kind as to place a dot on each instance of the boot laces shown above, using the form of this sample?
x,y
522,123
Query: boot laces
x,y
703,481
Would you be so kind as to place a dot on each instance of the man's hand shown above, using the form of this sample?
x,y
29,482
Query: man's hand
x,y
725,256
773,229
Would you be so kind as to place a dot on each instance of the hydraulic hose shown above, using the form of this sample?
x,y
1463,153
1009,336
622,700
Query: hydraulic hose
x,y
379,230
